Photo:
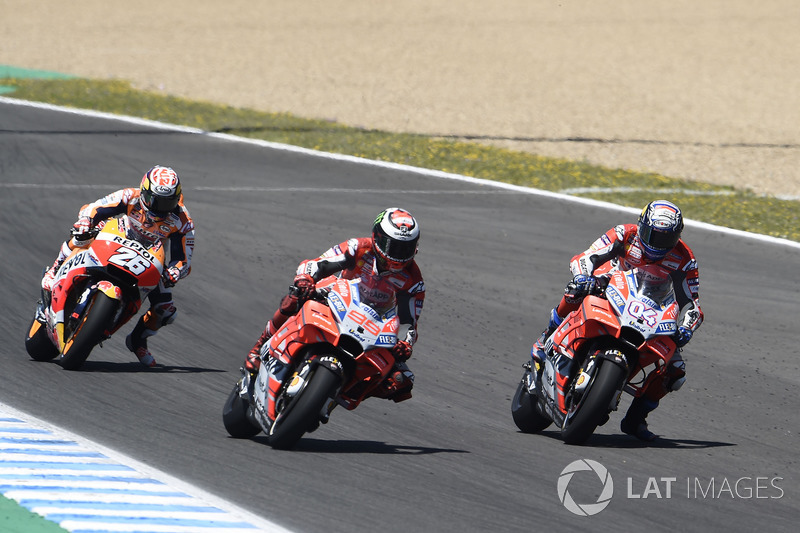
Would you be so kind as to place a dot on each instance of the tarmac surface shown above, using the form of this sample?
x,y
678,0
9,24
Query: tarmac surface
x,y
451,458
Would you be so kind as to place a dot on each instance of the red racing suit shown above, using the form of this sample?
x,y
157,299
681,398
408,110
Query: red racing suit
x,y
176,231
356,258
619,248
350,259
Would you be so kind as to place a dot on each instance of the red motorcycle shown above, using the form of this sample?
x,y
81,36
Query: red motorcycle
x,y
618,340
334,351
95,292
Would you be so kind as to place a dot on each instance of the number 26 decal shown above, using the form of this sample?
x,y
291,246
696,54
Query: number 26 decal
x,y
130,261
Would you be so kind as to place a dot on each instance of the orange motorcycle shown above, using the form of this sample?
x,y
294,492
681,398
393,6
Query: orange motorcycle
x,y
95,292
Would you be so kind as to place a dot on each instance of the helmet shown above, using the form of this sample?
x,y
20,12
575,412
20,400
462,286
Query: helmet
x,y
395,234
660,226
160,191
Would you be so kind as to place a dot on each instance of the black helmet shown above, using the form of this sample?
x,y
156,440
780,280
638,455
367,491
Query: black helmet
x,y
395,235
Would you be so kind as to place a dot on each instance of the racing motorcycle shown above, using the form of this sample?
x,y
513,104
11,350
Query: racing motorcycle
x,y
96,291
334,351
618,340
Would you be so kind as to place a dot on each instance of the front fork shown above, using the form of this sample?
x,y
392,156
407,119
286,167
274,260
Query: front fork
x,y
587,374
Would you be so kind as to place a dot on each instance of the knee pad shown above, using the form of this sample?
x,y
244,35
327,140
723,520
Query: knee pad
x,y
676,375
170,317
677,384
160,315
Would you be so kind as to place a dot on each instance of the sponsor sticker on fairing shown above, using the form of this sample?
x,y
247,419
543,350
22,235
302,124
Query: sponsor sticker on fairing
x,y
338,304
386,340
667,327
613,294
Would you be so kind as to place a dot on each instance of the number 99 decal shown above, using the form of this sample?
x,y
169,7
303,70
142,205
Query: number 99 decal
x,y
130,260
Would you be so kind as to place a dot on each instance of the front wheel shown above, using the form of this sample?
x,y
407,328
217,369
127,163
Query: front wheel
x,y
592,407
90,330
234,416
38,344
525,409
302,412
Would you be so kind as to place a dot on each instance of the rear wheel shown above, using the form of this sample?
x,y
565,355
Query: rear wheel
x,y
234,416
90,330
302,412
592,407
38,344
525,409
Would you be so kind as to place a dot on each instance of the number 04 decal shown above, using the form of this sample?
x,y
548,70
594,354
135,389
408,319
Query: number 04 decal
x,y
640,311
130,260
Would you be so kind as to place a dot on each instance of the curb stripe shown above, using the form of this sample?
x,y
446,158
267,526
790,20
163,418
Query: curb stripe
x,y
85,488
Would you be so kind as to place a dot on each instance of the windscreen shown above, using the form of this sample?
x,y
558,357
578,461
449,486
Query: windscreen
x,y
655,284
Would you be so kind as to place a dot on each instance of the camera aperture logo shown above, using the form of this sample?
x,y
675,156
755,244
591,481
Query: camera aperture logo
x,y
585,509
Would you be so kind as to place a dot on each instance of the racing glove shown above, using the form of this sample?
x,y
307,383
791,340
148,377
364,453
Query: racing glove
x,y
401,351
171,276
683,336
82,226
302,286
580,286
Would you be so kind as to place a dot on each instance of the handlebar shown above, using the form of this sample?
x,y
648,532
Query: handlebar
x,y
85,235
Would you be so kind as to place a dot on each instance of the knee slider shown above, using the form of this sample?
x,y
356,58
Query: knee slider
x,y
165,313
677,384
676,375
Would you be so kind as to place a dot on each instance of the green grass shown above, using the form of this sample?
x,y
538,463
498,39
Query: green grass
x,y
721,205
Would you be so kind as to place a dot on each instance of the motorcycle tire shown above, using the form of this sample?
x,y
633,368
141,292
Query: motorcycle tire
x,y
234,416
593,408
525,411
38,344
302,414
95,320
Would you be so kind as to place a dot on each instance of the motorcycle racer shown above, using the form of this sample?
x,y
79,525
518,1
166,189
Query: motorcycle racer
x,y
655,239
156,212
385,263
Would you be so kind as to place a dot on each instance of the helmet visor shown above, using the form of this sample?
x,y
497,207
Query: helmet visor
x,y
658,239
160,205
395,250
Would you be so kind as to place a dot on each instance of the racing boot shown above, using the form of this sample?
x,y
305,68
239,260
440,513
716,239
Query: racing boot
x,y
538,352
634,422
136,341
289,306
253,360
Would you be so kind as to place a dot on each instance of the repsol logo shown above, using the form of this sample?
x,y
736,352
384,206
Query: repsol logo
x,y
136,246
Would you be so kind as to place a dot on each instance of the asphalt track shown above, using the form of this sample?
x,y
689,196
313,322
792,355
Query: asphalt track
x,y
450,459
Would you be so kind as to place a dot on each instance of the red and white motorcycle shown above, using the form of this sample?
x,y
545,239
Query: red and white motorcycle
x,y
95,292
334,351
619,339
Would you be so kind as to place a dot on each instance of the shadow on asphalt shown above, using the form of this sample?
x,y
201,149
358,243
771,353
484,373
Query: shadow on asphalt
x,y
360,446
626,441
136,367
